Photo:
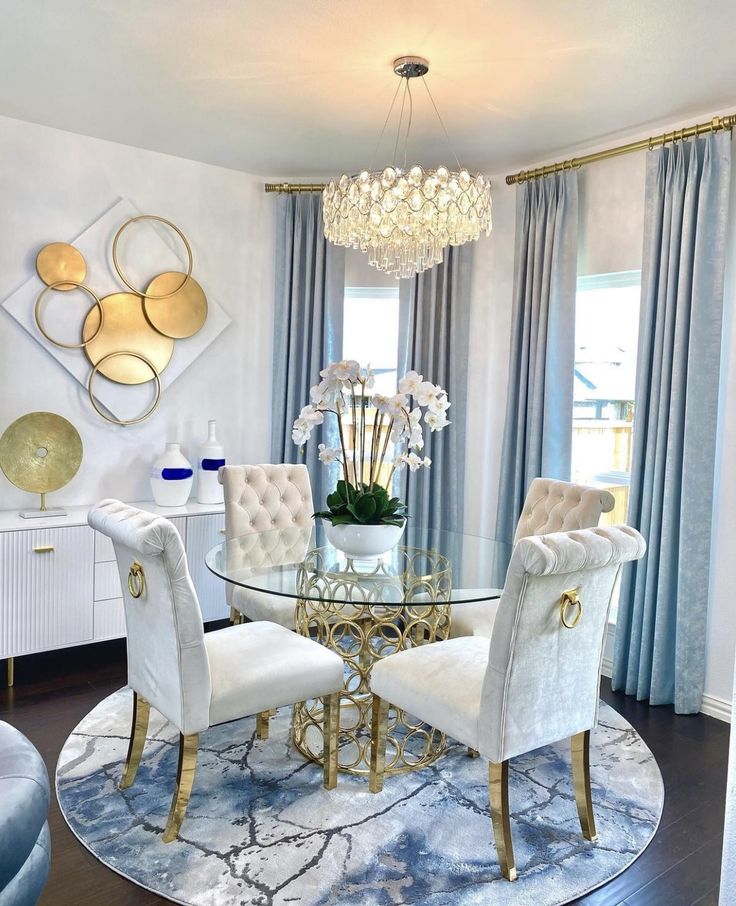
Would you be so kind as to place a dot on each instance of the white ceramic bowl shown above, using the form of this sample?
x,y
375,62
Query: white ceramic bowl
x,y
363,541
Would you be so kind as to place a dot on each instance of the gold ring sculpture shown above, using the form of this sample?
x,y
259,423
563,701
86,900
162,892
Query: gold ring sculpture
x,y
570,599
116,263
140,327
65,285
110,418
136,580
365,616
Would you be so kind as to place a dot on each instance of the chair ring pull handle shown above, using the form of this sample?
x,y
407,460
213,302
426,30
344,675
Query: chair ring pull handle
x,y
570,599
136,580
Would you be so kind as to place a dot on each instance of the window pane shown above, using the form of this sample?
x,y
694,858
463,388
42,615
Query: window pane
x,y
606,335
371,331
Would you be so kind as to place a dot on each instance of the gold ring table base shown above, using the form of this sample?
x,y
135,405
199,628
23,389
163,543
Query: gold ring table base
x,y
366,611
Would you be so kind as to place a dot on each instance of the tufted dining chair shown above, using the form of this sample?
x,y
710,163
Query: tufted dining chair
x,y
550,506
197,680
534,683
260,499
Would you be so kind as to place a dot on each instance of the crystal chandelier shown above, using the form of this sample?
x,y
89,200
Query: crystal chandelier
x,y
405,217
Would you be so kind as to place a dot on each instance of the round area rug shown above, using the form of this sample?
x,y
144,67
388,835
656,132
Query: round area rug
x,y
261,830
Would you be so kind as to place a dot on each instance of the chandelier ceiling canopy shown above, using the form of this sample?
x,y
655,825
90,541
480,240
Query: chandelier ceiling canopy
x,y
405,216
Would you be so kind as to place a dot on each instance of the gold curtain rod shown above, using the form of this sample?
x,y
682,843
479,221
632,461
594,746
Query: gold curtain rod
x,y
290,188
646,144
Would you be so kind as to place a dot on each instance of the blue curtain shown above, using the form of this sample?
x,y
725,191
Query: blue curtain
x,y
434,340
661,629
538,433
309,290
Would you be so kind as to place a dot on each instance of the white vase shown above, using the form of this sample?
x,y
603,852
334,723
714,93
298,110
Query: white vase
x,y
362,542
211,457
171,477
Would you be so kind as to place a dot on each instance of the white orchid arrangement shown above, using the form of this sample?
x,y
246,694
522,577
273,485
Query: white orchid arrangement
x,y
345,390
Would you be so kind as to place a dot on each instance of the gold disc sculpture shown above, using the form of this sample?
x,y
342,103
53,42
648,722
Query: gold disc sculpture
x,y
59,262
125,329
179,315
40,452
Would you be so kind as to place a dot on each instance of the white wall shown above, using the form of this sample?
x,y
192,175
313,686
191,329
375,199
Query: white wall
x,y
53,184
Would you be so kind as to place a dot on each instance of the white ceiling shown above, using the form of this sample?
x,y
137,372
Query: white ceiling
x,y
301,88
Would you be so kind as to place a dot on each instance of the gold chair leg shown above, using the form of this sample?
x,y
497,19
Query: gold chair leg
x,y
184,780
141,712
498,791
379,730
233,616
262,724
11,671
472,753
580,746
331,736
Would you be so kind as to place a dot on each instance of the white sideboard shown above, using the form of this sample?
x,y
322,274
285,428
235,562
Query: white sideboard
x,y
59,583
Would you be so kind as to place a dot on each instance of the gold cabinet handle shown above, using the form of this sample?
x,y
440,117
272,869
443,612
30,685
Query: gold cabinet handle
x,y
136,580
43,549
568,599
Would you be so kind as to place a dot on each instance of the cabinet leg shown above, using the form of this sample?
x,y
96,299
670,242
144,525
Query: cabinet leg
x,y
11,671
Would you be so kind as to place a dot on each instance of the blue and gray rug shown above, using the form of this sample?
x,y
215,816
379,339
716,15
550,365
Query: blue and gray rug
x,y
261,830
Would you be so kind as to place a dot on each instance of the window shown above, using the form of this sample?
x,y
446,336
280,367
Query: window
x,y
606,335
371,332
371,337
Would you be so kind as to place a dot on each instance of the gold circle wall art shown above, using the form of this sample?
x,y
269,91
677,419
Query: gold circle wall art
x,y
129,336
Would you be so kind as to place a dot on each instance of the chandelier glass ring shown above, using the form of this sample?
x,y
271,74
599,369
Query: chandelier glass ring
x,y
404,217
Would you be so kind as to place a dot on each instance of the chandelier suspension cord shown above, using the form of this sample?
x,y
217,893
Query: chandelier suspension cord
x,y
408,125
449,143
401,119
385,123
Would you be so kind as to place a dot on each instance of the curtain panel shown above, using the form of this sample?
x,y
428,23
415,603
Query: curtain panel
x,y
538,426
434,339
308,317
661,629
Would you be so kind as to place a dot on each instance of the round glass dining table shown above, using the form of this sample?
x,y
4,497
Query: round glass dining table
x,y
366,610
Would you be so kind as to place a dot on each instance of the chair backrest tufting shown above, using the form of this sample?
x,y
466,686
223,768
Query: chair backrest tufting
x,y
264,498
561,506
167,659
542,682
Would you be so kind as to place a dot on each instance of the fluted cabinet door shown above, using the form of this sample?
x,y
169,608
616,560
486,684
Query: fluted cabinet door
x,y
203,533
46,590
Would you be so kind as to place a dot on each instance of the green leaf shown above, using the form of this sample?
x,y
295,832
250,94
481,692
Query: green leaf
x,y
363,508
347,519
335,500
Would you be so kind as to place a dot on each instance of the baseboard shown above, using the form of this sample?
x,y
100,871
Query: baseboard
x,y
712,705
716,707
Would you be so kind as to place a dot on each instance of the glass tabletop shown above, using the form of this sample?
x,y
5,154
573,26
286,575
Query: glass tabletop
x,y
428,564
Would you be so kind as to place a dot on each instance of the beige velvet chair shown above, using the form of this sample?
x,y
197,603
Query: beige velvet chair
x,y
196,680
537,680
261,499
550,506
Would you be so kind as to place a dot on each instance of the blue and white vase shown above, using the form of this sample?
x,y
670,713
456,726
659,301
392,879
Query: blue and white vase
x,y
171,477
211,457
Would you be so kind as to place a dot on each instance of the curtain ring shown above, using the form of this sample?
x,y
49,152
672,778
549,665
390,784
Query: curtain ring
x,y
651,144
570,598
136,580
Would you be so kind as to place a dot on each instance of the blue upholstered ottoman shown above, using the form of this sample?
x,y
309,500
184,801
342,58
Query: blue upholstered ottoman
x,y
25,849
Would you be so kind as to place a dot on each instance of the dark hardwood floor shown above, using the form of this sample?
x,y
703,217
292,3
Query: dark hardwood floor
x,y
681,867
